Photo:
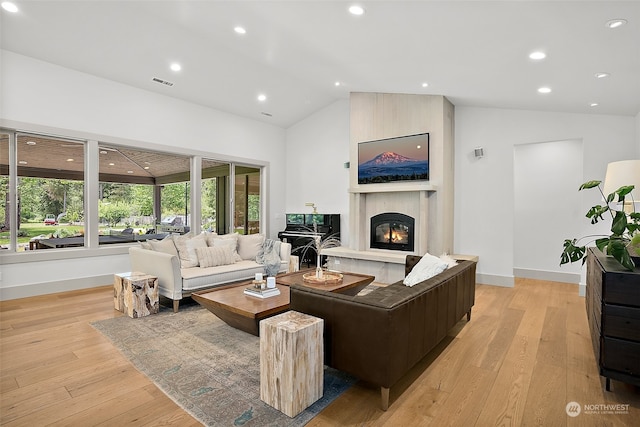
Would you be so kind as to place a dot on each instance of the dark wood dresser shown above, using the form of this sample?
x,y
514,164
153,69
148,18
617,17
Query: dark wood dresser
x,y
613,312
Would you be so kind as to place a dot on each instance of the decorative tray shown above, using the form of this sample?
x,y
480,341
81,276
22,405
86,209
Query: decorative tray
x,y
328,278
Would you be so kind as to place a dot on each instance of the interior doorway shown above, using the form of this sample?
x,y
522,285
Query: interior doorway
x,y
547,208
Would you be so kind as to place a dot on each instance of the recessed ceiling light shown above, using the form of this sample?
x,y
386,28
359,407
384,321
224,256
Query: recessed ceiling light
x,y
593,104
262,97
31,143
176,67
22,162
9,6
601,75
615,23
129,171
69,160
103,152
356,10
544,89
425,84
240,30
537,55
112,164
336,84
146,168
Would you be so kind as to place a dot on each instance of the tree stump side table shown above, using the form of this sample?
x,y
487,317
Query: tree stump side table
x,y
291,361
136,294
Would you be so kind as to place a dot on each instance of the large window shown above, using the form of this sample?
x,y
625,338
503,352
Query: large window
x,y
143,193
140,193
50,193
246,216
214,200
5,212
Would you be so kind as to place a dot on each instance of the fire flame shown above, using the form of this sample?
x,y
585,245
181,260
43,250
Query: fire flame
x,y
397,236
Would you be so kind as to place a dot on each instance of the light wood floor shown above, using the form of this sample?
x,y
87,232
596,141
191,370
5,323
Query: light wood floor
x,y
525,354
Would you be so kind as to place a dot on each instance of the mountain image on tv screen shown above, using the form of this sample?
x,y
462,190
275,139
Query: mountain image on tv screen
x,y
403,158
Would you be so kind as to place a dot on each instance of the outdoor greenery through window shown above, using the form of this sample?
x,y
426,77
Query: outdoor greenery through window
x,y
5,214
247,197
142,194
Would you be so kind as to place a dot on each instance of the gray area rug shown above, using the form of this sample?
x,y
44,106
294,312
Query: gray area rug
x,y
207,367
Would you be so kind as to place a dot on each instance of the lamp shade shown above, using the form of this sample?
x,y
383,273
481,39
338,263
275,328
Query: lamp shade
x,y
625,172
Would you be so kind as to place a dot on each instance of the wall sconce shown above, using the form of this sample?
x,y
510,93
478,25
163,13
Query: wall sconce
x,y
478,152
313,205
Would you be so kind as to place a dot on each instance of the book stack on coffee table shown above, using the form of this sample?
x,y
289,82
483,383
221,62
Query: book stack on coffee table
x,y
261,293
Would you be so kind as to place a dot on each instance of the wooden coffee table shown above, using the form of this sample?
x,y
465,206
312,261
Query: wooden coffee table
x,y
245,312
353,282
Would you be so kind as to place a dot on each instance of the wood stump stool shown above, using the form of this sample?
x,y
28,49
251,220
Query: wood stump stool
x,y
291,361
136,294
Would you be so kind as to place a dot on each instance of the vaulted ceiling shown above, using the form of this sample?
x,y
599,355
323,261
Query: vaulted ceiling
x,y
474,52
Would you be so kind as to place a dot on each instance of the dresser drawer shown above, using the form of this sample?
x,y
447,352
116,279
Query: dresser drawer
x,y
621,322
620,355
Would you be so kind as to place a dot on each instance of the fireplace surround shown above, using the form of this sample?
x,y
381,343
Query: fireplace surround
x,y
393,231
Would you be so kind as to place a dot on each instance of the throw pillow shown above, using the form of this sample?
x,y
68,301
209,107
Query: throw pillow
x,y
146,245
450,261
214,256
188,258
193,244
230,241
427,267
249,245
209,236
165,245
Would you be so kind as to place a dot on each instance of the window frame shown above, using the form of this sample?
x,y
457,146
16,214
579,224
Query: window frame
x,y
91,187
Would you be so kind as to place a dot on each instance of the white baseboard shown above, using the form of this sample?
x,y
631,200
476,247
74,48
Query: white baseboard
x,y
552,276
24,291
491,279
582,289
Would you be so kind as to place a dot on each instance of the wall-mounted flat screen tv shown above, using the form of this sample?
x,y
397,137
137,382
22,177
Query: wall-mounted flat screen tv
x,y
403,158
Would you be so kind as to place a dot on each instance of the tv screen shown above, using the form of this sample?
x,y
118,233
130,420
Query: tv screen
x,y
403,158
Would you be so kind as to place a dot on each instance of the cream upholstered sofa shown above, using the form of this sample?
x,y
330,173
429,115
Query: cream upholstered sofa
x,y
185,264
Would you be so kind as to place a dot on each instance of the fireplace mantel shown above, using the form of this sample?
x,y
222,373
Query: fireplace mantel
x,y
392,188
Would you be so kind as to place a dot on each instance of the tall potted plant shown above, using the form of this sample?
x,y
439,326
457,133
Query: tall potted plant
x,y
624,240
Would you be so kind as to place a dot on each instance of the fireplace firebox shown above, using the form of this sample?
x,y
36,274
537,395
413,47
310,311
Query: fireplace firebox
x,y
392,230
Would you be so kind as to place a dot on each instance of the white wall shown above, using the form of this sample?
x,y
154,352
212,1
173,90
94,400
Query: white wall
x,y
546,176
484,205
484,189
317,149
638,136
40,95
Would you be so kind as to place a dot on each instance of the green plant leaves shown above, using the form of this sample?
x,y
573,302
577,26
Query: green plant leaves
x,y
571,252
619,224
623,191
589,184
625,230
596,212
618,249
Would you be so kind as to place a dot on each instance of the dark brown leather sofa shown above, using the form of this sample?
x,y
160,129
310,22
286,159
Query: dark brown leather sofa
x,y
379,337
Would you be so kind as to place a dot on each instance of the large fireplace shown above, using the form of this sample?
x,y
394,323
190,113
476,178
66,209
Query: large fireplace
x,y
392,230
